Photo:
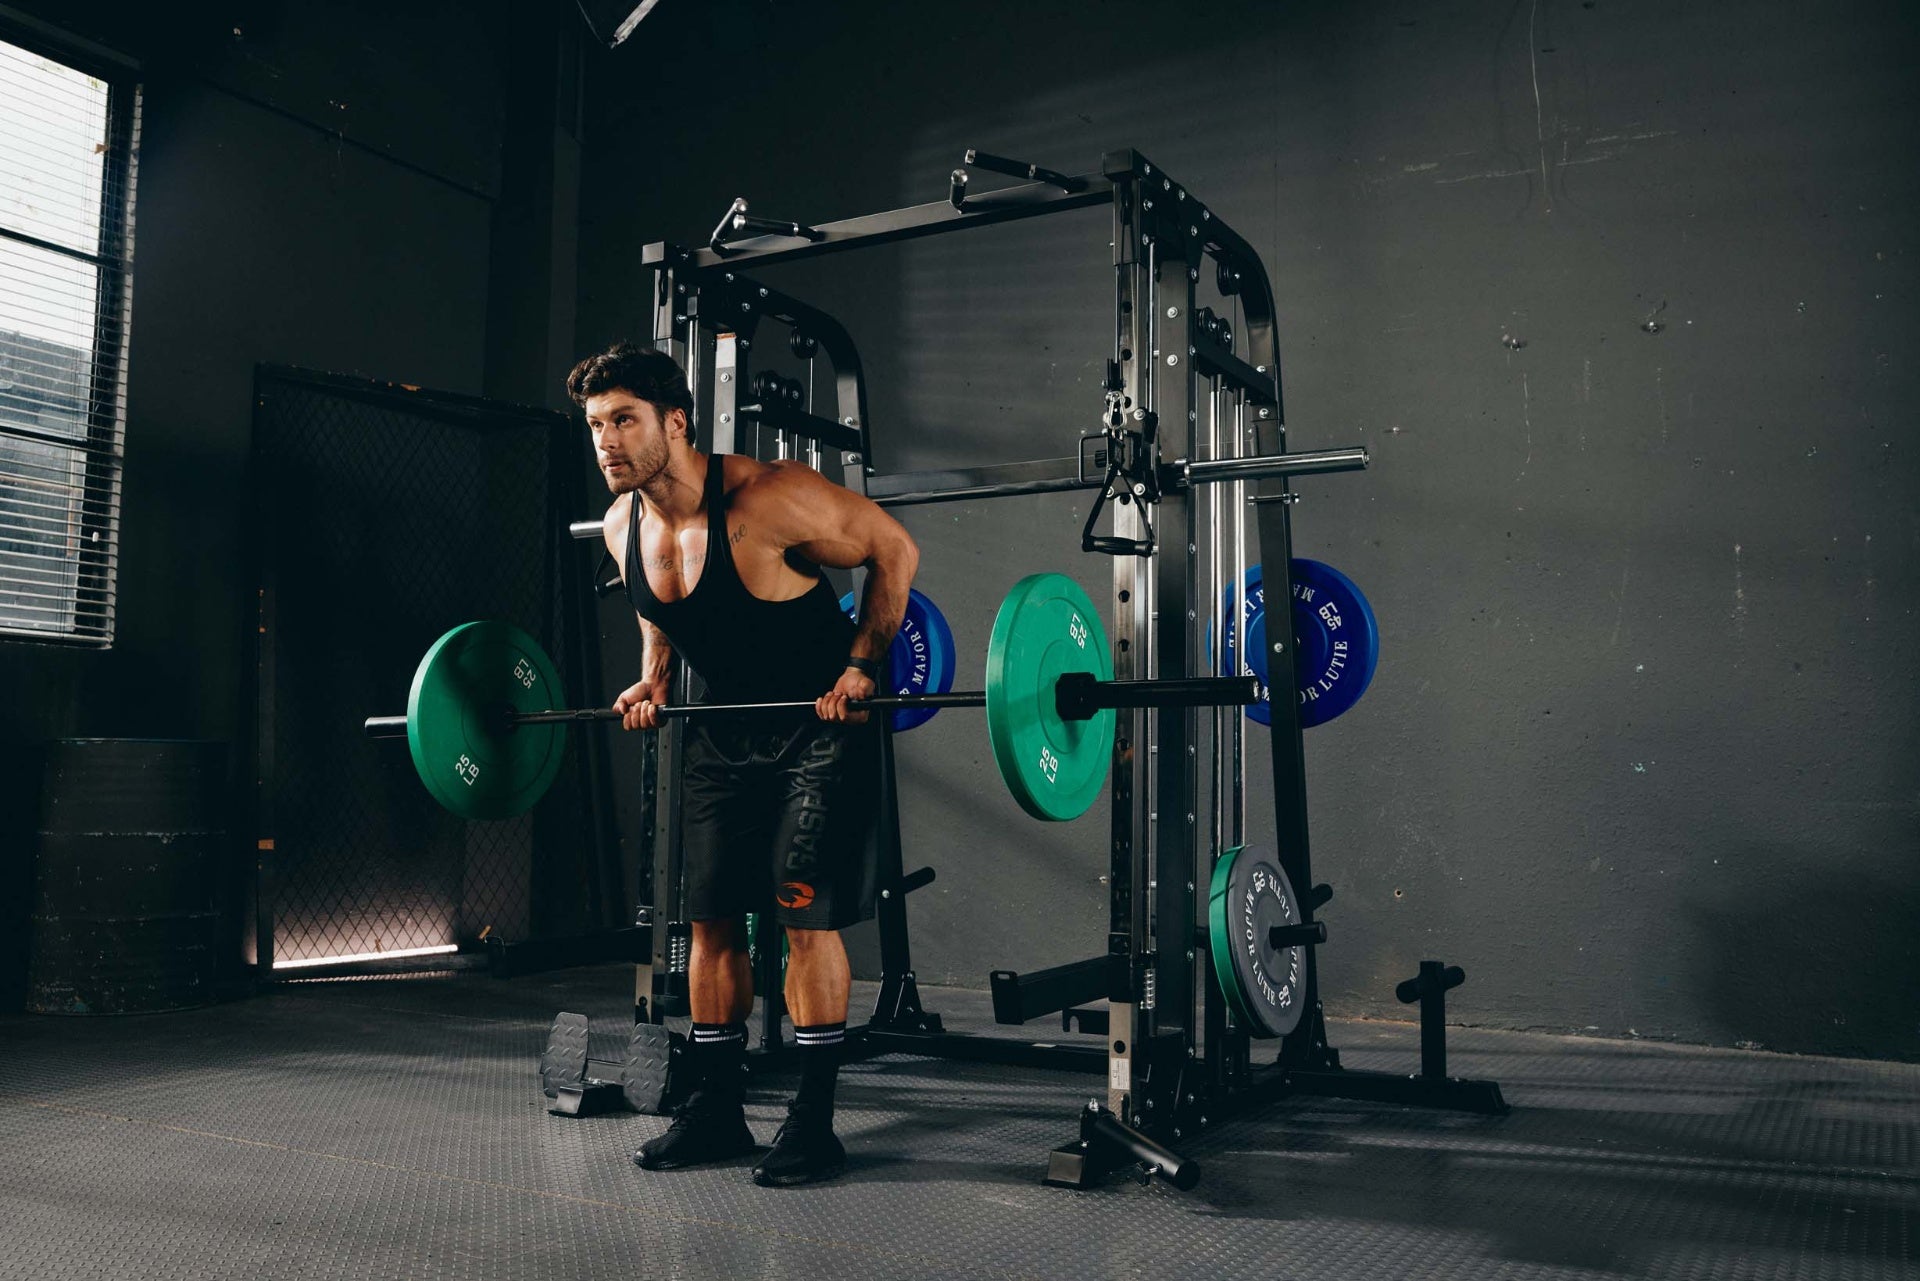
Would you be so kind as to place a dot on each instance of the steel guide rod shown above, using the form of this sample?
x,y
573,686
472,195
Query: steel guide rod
x,y
679,335
1238,746
1215,588
1130,809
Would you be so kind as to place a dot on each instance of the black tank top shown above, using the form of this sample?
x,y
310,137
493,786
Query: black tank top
x,y
747,650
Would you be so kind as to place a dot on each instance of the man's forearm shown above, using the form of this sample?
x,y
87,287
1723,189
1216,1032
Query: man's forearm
x,y
883,604
656,654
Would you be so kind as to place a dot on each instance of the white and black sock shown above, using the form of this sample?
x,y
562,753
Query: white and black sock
x,y
716,1056
820,1045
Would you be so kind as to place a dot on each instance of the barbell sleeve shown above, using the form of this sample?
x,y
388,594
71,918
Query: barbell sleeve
x,y
386,727
1078,695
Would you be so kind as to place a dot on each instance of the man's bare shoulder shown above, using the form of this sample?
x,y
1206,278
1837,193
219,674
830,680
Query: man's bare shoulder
x,y
613,526
752,481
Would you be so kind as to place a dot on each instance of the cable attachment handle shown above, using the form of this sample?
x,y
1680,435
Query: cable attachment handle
x,y
1130,478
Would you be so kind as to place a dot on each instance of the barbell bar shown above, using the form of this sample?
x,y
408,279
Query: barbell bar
x,y
1076,696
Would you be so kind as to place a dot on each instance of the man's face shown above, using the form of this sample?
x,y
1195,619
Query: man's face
x,y
629,440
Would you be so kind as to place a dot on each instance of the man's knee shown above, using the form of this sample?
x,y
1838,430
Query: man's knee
x,y
725,935
808,942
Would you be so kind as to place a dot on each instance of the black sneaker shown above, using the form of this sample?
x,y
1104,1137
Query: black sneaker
x,y
804,1151
705,1128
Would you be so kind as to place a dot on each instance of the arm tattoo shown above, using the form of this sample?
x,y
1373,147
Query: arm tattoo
x,y
656,652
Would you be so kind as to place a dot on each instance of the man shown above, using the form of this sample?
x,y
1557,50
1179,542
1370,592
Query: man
x,y
721,557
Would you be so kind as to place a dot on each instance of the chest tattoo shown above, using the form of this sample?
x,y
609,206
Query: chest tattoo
x,y
689,560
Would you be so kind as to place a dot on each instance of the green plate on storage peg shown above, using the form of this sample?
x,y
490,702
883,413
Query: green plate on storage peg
x,y
1265,985
471,760
1047,627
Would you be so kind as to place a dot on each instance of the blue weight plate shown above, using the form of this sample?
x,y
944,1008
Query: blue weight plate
x,y
1336,635
921,658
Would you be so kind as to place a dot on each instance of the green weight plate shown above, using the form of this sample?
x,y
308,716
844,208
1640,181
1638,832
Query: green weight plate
x,y
1047,627
471,760
1264,985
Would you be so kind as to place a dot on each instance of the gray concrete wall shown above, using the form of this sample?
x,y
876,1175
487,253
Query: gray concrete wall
x,y
1622,298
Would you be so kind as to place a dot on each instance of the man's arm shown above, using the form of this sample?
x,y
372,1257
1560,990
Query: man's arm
x,y
656,655
831,525
637,702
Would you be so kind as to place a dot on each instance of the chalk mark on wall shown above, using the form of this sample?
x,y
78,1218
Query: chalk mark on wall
x,y
1739,596
1539,127
1619,608
1867,555
1660,394
1526,420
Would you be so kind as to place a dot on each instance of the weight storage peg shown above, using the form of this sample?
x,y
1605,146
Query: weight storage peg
x,y
1430,987
1309,934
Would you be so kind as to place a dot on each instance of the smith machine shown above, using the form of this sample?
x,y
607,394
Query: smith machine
x,y
1209,947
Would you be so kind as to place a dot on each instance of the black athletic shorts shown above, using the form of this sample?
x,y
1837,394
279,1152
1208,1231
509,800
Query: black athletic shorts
x,y
782,817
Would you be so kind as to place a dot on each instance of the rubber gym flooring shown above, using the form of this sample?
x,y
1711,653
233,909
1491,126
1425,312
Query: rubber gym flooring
x,y
393,1128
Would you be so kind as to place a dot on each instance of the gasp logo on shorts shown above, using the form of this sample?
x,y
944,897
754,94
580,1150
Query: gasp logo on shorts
x,y
795,895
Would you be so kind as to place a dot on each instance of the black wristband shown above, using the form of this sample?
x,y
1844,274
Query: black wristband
x,y
865,666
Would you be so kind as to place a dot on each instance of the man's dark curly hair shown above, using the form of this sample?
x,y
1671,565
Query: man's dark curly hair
x,y
650,374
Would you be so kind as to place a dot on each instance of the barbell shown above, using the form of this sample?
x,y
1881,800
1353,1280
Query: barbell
x,y
487,739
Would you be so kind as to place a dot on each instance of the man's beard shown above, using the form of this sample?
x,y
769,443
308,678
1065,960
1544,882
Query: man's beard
x,y
638,471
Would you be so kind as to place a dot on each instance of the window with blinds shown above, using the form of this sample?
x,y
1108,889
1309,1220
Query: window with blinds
x,y
68,137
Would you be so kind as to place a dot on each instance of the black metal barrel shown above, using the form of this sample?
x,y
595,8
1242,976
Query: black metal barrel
x,y
126,880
